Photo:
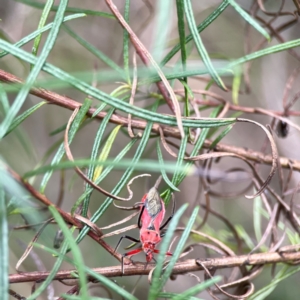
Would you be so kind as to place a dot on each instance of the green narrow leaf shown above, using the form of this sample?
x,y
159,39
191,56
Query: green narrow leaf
x,y
199,45
220,136
73,297
142,165
106,171
94,154
61,150
21,97
245,236
78,259
126,42
42,22
162,28
52,274
100,108
168,270
163,172
200,28
102,279
236,84
198,145
283,274
257,207
91,48
105,151
69,9
154,288
122,182
34,34
181,30
179,164
250,20
198,288
58,130
4,252
264,52
115,102
17,121
171,295
3,99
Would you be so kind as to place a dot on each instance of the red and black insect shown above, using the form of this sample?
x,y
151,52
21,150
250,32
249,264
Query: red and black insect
x,y
150,219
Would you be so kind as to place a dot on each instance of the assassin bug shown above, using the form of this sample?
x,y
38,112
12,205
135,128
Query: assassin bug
x,y
152,212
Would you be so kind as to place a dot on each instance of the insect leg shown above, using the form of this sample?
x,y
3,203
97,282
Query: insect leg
x,y
156,251
140,216
169,219
126,237
130,253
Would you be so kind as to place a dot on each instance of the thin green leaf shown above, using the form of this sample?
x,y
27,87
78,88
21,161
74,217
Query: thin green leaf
x,y
171,295
17,121
197,288
21,97
126,42
105,151
143,165
245,236
34,34
163,173
198,146
168,270
220,136
250,20
200,28
122,182
61,150
154,288
69,9
73,297
94,154
44,16
181,30
115,102
162,28
58,130
106,171
102,279
257,207
199,45
179,165
4,252
283,274
20,196
91,48
264,52
100,108
21,136
3,99
78,259
236,84
52,274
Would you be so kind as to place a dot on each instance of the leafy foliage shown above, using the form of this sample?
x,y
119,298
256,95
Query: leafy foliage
x,y
143,105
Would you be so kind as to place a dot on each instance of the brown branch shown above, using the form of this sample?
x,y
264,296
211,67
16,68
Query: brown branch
x,y
66,102
67,217
184,267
